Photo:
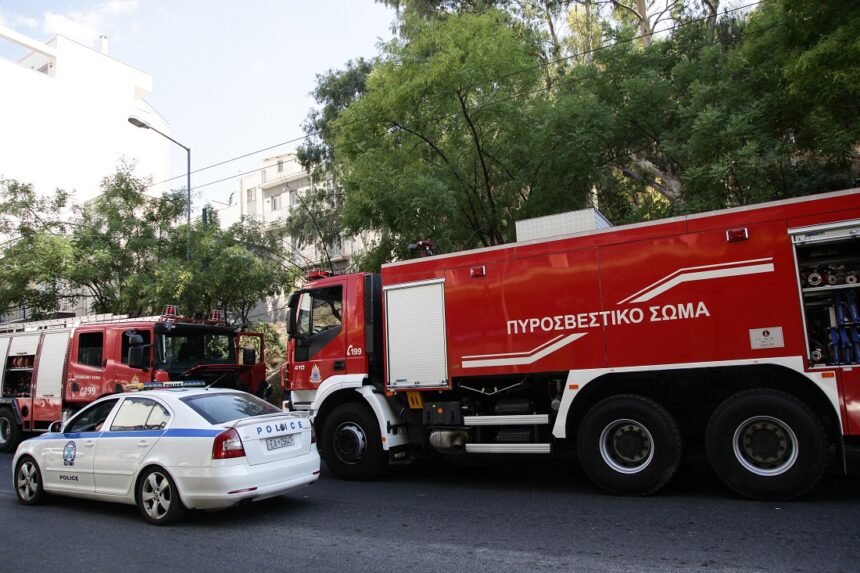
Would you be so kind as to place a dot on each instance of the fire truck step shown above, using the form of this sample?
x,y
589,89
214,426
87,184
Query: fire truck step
x,y
513,420
508,448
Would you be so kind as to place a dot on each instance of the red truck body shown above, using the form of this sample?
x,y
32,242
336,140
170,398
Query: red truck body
x,y
691,316
53,368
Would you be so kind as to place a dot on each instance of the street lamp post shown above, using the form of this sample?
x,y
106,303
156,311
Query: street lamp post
x,y
137,122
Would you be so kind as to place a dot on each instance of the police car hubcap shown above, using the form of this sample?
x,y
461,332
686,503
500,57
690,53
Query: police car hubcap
x,y
27,481
156,495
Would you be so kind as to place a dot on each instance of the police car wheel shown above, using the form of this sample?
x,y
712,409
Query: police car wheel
x,y
766,444
10,432
28,482
158,498
629,445
352,443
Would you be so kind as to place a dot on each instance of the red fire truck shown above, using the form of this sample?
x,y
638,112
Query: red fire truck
x,y
53,368
733,333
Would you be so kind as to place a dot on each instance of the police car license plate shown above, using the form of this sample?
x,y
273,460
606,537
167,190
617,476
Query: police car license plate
x,y
281,442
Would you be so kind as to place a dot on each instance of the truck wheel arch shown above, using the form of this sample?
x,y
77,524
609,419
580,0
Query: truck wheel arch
x,y
710,385
367,395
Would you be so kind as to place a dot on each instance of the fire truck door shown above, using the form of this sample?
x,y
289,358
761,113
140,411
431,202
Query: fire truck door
x,y
122,373
320,341
87,365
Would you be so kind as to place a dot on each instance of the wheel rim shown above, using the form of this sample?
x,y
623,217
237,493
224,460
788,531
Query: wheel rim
x,y
350,443
28,481
626,446
765,445
5,431
156,495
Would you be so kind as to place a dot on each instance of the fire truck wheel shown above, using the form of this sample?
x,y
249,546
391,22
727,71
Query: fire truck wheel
x,y
10,432
28,482
352,444
765,444
158,498
629,445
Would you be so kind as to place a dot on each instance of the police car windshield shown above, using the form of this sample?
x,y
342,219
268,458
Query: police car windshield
x,y
184,348
226,407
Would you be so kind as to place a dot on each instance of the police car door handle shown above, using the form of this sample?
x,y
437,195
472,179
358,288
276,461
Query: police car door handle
x,y
89,444
142,444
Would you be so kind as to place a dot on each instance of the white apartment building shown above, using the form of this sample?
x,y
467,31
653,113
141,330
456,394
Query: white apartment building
x,y
64,111
269,195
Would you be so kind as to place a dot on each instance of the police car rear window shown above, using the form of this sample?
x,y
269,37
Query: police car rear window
x,y
220,408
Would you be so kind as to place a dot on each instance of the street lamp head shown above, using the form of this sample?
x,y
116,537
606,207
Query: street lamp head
x,y
137,122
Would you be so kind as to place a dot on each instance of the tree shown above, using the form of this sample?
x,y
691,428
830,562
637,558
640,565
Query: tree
x,y
316,218
36,253
456,137
126,250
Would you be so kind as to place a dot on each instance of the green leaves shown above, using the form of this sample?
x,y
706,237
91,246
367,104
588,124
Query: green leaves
x,y
126,252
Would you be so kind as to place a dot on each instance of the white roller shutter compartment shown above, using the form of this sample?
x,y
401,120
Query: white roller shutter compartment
x,y
415,335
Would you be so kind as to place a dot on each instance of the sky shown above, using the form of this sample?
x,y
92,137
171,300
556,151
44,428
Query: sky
x,y
230,77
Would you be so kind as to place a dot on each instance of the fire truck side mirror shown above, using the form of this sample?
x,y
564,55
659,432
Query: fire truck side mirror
x,y
249,356
291,323
293,313
137,356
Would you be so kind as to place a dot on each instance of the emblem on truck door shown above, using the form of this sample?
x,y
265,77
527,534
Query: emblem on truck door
x,y
316,377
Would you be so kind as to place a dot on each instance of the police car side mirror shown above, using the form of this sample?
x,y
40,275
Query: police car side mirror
x,y
55,427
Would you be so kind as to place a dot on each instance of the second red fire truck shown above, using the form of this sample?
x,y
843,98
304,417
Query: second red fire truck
x,y
50,369
733,332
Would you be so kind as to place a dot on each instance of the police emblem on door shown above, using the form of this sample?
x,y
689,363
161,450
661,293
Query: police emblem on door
x,y
69,453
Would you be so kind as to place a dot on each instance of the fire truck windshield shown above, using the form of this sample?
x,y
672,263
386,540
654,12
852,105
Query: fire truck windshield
x,y
182,347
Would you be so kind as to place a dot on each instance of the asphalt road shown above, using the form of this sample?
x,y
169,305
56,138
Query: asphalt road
x,y
524,514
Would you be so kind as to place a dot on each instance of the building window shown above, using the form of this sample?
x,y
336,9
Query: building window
x,y
251,195
292,198
276,203
280,166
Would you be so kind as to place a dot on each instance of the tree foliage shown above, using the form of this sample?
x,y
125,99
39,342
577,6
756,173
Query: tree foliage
x,y
480,113
126,253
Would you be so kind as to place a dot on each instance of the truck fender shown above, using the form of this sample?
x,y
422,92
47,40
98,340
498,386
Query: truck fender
x,y
388,419
334,384
576,381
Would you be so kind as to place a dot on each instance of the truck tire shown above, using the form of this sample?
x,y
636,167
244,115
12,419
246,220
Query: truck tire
x,y
765,444
352,444
10,431
629,445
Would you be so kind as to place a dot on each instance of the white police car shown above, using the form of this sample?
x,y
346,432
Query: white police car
x,y
171,450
